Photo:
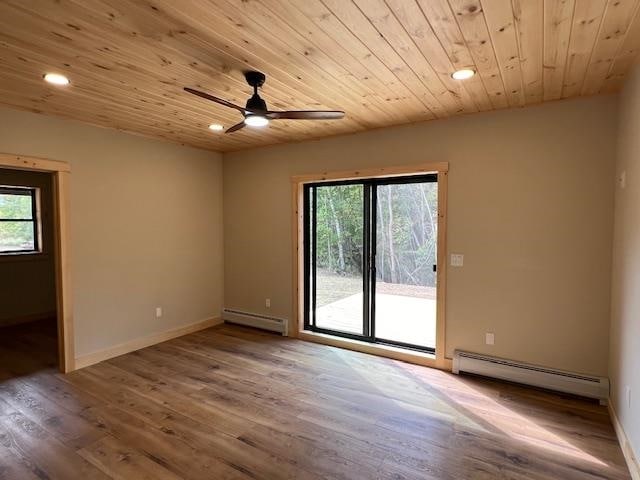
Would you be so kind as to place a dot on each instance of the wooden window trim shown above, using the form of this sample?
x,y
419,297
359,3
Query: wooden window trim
x,y
36,221
296,326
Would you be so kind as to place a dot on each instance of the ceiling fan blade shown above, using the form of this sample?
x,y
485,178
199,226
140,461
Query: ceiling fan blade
x,y
215,99
306,115
236,127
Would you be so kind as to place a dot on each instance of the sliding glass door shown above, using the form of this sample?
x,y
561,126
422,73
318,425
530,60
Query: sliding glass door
x,y
370,259
339,262
405,258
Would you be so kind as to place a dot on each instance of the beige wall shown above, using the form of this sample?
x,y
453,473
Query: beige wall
x,y
625,309
146,227
27,282
530,207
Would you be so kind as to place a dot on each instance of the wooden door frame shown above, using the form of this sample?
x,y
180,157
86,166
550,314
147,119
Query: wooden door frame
x,y
296,326
61,172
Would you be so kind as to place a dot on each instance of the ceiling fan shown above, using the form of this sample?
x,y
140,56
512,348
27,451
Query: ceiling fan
x,y
256,113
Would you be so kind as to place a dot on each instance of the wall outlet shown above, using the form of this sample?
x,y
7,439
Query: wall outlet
x,y
489,338
158,312
457,260
267,302
628,396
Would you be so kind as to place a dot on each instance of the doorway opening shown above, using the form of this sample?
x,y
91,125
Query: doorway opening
x,y
370,260
28,319
34,252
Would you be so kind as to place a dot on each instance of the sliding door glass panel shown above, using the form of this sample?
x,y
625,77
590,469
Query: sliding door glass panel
x,y
339,268
405,280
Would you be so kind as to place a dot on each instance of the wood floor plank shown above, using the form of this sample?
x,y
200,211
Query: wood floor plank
x,y
237,403
66,427
121,461
174,395
324,458
161,446
44,455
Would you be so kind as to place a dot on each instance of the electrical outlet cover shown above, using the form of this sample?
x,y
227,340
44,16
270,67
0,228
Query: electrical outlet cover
x,y
457,260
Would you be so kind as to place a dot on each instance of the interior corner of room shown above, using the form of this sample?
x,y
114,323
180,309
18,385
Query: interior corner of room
x,y
265,299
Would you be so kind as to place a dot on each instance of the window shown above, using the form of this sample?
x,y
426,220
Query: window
x,y
19,229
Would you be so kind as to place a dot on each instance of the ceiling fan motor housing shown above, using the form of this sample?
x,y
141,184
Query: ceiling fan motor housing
x,y
256,104
255,79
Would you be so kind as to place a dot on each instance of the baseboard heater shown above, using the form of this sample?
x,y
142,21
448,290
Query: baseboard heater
x,y
527,374
264,322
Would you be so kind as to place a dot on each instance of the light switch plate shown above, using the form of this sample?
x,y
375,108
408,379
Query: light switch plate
x,y
457,260
489,339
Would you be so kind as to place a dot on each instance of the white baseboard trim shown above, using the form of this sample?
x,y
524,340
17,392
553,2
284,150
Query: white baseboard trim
x,y
627,450
138,343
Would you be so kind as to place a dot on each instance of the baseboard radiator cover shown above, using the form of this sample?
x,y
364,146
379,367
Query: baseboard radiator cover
x,y
561,381
264,322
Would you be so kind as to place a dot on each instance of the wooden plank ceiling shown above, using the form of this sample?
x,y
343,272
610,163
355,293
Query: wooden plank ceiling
x,y
384,62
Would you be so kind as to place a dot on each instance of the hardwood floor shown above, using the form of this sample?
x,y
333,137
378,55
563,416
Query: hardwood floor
x,y
236,403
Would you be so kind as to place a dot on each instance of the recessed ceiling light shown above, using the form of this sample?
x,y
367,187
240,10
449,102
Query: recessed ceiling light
x,y
216,127
463,74
56,79
256,120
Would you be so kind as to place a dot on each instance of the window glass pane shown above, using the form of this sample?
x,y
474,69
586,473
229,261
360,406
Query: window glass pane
x,y
339,257
406,247
16,236
15,206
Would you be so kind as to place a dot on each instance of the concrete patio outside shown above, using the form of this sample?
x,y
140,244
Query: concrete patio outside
x,y
404,313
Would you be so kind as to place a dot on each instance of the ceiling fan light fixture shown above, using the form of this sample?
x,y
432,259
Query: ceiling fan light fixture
x,y
56,79
256,113
216,127
256,121
463,74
